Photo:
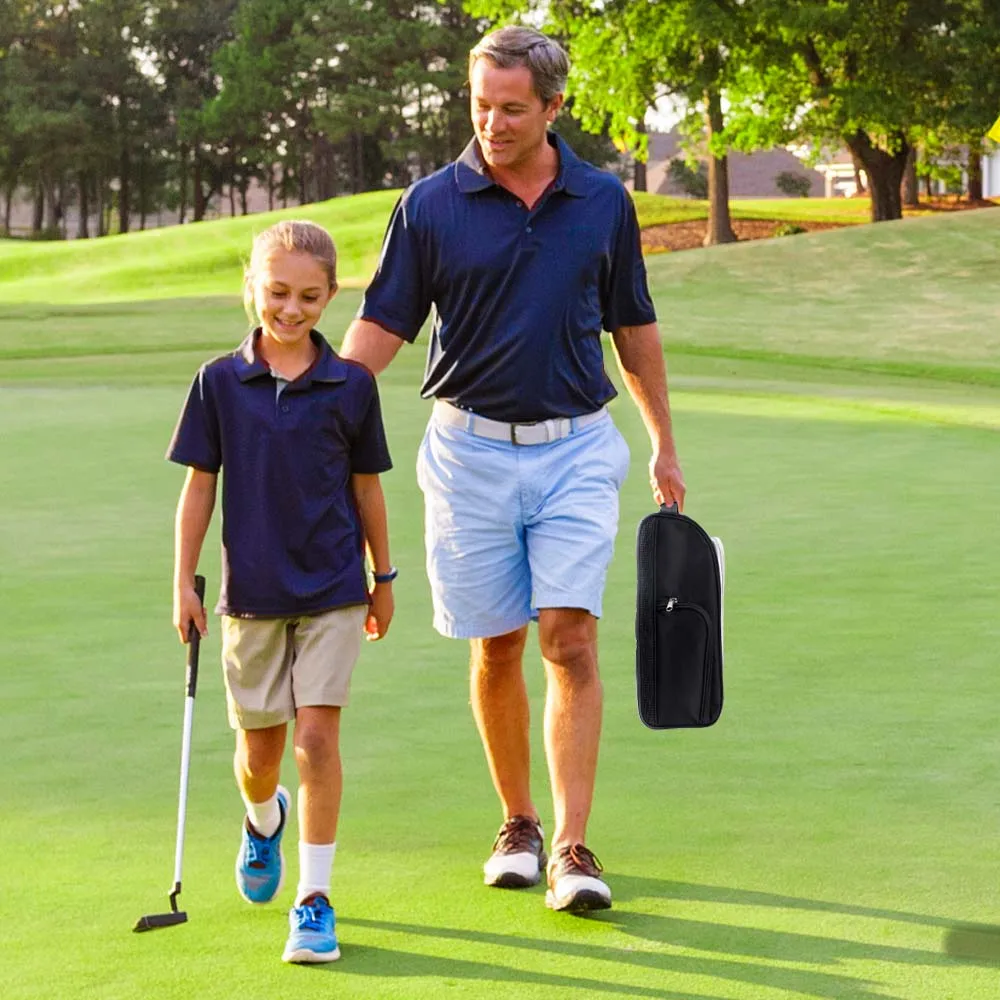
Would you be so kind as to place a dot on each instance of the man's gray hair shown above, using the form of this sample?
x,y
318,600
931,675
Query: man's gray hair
x,y
518,46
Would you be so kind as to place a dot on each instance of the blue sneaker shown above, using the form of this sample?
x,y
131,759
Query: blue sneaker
x,y
312,936
260,864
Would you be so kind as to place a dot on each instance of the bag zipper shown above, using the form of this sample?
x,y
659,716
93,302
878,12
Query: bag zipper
x,y
675,604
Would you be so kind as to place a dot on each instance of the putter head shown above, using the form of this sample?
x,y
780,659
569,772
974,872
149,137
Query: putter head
x,y
153,921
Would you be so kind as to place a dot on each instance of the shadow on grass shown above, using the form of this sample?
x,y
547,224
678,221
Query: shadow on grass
x,y
978,943
730,952
371,961
973,944
799,981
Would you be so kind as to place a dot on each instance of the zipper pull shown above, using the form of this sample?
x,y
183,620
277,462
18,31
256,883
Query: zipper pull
x,y
669,606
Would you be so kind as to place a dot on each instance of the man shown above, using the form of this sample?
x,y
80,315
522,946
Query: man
x,y
526,253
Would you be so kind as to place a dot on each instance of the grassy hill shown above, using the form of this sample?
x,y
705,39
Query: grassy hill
x,y
207,258
203,258
916,297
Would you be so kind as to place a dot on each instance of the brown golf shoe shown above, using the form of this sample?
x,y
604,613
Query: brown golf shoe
x,y
575,882
518,855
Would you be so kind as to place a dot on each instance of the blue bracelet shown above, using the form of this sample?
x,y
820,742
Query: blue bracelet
x,y
386,577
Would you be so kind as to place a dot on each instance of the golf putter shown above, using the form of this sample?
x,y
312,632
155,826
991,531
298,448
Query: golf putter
x,y
152,921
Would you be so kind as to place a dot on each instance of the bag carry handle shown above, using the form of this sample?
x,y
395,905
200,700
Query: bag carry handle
x,y
671,508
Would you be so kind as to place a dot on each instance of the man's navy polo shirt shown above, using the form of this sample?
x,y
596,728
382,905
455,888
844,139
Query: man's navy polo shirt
x,y
520,297
291,537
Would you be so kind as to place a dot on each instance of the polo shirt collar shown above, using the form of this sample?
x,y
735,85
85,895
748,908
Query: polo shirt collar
x,y
327,368
472,176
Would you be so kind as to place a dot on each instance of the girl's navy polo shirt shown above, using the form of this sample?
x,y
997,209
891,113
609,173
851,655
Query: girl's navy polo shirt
x,y
520,297
291,536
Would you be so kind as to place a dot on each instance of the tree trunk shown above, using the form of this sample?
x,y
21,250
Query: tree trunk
x,y
244,185
911,183
83,183
720,226
639,166
124,191
359,162
51,208
323,168
182,186
975,172
885,174
8,205
859,181
232,200
61,207
38,217
199,193
99,193
143,193
270,187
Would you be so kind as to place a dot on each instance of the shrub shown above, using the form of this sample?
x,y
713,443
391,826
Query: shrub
x,y
789,229
694,183
793,184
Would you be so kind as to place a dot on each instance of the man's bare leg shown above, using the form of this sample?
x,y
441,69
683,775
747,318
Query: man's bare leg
x,y
573,712
500,707
573,709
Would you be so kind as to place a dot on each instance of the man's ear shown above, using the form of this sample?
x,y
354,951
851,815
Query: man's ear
x,y
554,105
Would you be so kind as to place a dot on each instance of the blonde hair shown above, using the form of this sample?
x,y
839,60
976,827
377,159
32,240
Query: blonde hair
x,y
293,236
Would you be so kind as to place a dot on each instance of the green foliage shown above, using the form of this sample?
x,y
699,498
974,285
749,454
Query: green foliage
x,y
693,181
171,103
789,229
793,184
130,105
872,76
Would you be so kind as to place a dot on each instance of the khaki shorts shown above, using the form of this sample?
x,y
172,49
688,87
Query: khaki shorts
x,y
272,666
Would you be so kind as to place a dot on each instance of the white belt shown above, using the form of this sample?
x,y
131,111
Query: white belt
x,y
537,432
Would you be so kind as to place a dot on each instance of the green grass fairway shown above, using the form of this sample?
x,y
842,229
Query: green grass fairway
x,y
207,258
835,836
657,208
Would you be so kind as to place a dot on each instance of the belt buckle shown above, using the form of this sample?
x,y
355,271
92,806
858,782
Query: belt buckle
x,y
513,432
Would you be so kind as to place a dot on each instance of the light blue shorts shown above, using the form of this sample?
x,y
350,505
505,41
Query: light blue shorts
x,y
512,528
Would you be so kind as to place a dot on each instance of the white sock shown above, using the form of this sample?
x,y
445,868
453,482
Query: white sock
x,y
265,817
315,869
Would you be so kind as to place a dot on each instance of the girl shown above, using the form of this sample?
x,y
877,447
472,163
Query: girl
x,y
298,432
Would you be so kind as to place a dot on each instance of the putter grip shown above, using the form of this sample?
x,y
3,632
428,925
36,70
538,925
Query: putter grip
x,y
194,642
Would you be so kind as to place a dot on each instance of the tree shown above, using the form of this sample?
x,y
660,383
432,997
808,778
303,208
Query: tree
x,y
866,73
974,97
43,128
395,84
183,38
626,55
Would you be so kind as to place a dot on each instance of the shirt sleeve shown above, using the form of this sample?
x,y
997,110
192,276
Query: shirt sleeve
x,y
399,296
626,299
370,452
197,441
